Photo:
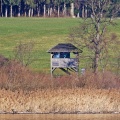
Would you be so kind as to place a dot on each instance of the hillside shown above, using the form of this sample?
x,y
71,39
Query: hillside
x,y
44,33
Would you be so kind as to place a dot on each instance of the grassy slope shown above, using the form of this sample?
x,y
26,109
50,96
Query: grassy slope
x,y
44,32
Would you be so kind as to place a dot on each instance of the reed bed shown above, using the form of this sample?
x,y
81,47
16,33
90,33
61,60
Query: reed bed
x,y
24,91
60,101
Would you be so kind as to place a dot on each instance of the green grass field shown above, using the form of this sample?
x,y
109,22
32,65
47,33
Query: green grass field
x,y
44,32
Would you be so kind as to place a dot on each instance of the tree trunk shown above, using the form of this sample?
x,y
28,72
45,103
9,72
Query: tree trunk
x,y
29,12
48,11
78,15
6,11
72,10
19,11
58,11
97,47
51,10
44,11
1,14
64,11
25,11
25,14
83,11
86,11
96,60
11,11
38,10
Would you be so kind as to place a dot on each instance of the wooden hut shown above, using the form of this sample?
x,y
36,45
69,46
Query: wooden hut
x,y
64,56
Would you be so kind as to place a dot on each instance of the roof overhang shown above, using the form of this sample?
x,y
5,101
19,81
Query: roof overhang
x,y
64,47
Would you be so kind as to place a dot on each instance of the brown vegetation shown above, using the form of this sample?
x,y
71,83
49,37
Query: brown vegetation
x,y
22,90
60,101
14,76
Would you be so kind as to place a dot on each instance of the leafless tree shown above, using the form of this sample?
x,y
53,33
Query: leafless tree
x,y
24,53
92,33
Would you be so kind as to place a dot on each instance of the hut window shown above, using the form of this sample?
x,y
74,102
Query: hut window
x,y
64,55
56,55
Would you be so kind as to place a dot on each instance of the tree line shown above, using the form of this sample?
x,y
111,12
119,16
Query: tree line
x,y
44,8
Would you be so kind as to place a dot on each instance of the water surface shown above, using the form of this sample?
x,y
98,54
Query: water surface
x,y
60,117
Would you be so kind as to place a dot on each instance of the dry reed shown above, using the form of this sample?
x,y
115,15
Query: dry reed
x,y
60,101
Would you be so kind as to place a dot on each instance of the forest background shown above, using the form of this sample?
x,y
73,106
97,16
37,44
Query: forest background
x,y
45,8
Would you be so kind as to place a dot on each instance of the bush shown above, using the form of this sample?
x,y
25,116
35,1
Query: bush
x,y
14,76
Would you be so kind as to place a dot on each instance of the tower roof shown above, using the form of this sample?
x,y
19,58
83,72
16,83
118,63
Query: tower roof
x,y
64,47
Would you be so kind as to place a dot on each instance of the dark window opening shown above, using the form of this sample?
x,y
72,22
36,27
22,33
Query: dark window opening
x,y
61,55
64,55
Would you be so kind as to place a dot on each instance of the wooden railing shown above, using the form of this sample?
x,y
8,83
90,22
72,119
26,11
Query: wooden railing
x,y
64,62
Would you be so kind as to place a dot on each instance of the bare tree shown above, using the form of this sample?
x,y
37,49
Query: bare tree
x,y
24,53
92,33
